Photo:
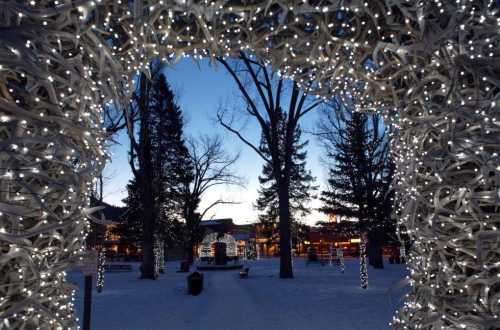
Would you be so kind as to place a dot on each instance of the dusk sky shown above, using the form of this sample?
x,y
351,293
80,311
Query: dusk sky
x,y
199,91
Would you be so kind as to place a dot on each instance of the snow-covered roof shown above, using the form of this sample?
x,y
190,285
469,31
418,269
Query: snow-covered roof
x,y
214,222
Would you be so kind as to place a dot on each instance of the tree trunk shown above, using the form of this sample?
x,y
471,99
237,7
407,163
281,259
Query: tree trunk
x,y
190,217
286,270
370,251
146,187
376,258
374,250
147,266
189,252
363,272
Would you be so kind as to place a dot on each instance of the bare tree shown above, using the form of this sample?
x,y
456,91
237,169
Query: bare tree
x,y
266,109
212,166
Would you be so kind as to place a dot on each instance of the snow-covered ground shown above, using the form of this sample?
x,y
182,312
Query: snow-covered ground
x,y
318,298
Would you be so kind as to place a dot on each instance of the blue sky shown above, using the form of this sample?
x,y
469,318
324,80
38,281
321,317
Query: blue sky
x,y
200,89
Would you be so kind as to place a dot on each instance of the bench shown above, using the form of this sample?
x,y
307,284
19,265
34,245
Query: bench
x,y
114,268
244,273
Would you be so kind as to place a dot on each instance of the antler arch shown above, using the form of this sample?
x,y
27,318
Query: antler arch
x,y
430,66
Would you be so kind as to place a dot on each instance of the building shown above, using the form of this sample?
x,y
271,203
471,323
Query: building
x,y
326,241
252,240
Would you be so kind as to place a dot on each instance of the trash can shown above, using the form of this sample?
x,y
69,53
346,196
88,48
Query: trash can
x,y
195,283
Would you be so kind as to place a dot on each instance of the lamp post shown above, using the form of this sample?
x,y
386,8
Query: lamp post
x,y
88,268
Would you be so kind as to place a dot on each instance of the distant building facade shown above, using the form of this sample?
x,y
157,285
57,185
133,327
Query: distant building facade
x,y
252,240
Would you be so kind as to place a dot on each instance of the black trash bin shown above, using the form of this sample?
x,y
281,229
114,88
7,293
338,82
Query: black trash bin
x,y
195,283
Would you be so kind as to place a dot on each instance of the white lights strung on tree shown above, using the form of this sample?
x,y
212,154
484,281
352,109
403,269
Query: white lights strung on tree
x,y
101,260
431,66
340,258
157,257
161,257
363,271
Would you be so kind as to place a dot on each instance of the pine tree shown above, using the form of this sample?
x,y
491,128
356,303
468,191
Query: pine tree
x,y
130,230
347,193
171,161
158,160
301,183
360,178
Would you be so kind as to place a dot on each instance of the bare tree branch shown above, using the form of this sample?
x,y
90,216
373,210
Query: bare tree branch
x,y
217,202
228,126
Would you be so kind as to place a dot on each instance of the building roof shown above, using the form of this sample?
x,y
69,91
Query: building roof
x,y
216,222
244,228
111,212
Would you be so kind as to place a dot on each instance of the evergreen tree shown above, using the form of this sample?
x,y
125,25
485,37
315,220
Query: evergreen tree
x,y
360,178
301,182
347,191
158,159
130,230
171,160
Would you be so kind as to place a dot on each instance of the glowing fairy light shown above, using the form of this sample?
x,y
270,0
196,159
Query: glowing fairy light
x,y
363,271
101,260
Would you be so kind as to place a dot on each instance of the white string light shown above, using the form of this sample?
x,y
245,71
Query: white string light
x,y
156,254
161,256
363,271
101,260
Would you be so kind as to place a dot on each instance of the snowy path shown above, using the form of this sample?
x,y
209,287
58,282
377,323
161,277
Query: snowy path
x,y
319,298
